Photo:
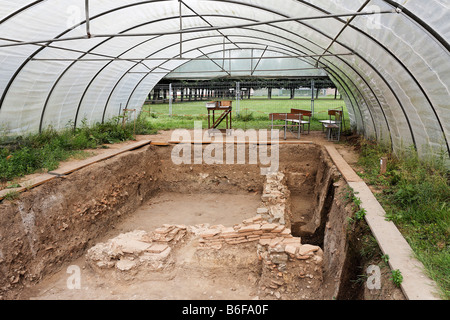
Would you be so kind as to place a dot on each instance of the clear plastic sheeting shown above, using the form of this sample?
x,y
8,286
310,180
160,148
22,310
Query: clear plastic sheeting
x,y
61,65
246,63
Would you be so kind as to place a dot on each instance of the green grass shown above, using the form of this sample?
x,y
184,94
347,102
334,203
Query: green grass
x,y
415,194
20,156
254,113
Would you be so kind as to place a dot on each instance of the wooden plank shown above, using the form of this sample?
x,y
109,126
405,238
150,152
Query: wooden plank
x,y
67,169
246,142
347,171
160,144
33,183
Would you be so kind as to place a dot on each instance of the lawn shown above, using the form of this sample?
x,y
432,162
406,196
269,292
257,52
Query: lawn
x,y
251,114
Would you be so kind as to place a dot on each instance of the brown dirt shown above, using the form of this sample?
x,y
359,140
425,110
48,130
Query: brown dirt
x,y
44,236
184,284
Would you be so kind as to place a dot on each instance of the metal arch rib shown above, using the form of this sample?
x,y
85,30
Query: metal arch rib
x,y
283,44
12,15
368,105
420,22
225,1
381,108
350,92
370,112
79,105
6,90
171,45
423,25
272,41
151,2
100,70
117,9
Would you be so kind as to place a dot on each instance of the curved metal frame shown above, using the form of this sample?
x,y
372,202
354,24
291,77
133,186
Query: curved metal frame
x,y
362,121
238,42
139,82
420,22
265,9
359,75
368,105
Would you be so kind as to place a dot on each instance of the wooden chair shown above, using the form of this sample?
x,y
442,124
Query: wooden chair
x,y
333,127
226,104
291,122
304,113
331,117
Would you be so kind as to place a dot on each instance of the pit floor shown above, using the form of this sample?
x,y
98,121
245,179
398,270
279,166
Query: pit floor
x,y
165,208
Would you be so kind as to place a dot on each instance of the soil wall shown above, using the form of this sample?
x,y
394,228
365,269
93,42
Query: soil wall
x,y
59,220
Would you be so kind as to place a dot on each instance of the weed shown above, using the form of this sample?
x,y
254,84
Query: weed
x,y
13,185
247,117
12,195
348,194
356,201
23,155
361,214
415,195
397,278
369,246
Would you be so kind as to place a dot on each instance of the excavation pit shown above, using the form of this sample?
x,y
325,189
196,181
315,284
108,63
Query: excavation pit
x,y
139,226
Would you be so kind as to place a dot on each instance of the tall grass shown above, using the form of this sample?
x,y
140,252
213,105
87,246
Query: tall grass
x,y
24,155
415,194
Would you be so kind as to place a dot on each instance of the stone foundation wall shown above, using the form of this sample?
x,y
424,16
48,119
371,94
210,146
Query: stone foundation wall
x,y
285,268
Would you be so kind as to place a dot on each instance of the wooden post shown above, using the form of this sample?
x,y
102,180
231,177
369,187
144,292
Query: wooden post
x,y
383,164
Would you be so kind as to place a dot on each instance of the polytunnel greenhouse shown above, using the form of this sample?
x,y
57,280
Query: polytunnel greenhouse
x,y
389,58
65,65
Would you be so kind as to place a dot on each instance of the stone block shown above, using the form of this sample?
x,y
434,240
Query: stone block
x,y
278,229
291,249
307,249
250,228
125,265
269,227
157,248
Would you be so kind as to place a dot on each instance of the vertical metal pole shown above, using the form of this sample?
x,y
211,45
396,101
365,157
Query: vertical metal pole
x,y
224,52
312,97
251,64
229,61
120,112
88,23
181,29
170,100
238,98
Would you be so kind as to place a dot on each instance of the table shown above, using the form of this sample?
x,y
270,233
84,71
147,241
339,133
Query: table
x,y
226,110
